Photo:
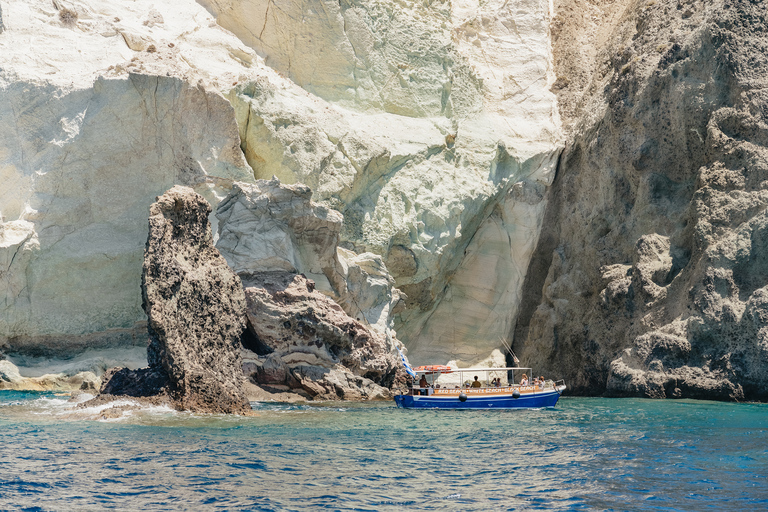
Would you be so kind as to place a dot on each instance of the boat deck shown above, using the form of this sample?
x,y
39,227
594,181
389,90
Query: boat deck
x,y
507,397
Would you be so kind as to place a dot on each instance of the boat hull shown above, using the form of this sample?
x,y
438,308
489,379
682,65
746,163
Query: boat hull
x,y
531,400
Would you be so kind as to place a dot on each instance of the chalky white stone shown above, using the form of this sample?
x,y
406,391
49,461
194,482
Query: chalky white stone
x,y
415,121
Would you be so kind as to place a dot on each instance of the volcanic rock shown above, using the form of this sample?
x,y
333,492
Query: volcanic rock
x,y
195,305
651,273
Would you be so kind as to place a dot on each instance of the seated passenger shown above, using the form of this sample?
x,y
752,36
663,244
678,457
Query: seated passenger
x,y
524,380
477,383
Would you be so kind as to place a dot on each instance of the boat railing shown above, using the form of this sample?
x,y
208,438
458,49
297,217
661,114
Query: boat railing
x,y
429,390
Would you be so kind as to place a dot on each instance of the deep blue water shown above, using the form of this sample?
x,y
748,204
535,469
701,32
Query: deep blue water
x,y
587,454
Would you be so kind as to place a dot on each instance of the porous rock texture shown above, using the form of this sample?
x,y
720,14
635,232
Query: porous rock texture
x,y
650,277
312,344
196,310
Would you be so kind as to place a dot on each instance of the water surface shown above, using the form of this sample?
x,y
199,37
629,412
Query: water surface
x,y
587,454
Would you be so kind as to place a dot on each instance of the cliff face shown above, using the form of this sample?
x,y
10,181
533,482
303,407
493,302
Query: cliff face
x,y
102,111
434,130
650,275
416,122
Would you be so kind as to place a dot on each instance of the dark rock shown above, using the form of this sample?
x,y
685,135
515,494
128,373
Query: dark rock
x,y
143,382
196,307
652,266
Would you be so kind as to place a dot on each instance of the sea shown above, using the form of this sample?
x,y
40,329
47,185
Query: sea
x,y
585,454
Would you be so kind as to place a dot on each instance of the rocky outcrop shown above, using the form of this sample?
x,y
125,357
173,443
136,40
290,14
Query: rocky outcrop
x,y
10,378
309,342
269,227
654,279
274,236
195,306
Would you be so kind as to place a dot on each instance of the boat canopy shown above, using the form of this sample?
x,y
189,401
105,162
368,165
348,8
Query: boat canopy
x,y
448,369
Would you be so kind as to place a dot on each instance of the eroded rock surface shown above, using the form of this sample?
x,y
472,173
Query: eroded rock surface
x,y
414,121
10,378
93,129
309,342
272,227
275,237
417,125
195,305
654,241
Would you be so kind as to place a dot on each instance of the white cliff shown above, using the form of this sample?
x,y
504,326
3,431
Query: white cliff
x,y
92,131
429,127
414,121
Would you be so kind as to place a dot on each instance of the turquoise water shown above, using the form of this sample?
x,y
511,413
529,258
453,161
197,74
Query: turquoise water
x,y
587,454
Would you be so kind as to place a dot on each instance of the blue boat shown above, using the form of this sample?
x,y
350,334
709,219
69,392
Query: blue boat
x,y
480,393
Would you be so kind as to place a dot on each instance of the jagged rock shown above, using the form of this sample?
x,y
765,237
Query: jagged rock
x,y
370,295
313,343
144,382
651,270
272,227
268,227
195,305
338,383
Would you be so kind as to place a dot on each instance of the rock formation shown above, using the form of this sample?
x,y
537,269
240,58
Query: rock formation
x,y
650,277
10,378
271,227
420,121
274,236
434,129
196,307
311,343
414,121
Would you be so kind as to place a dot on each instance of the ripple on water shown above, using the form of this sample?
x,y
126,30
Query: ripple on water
x,y
587,454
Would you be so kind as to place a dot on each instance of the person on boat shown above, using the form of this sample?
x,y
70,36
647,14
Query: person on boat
x,y
541,381
524,380
477,383
423,382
